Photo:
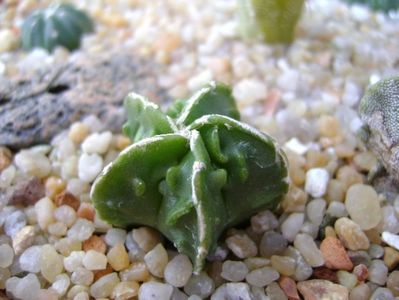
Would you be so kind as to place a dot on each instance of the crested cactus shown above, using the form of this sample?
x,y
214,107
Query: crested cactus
x,y
58,25
379,110
192,173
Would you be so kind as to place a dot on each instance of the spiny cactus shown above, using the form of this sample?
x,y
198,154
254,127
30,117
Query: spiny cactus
x,y
191,174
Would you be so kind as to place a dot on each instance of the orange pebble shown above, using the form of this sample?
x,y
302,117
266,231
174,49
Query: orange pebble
x,y
86,211
335,255
66,198
289,287
100,273
94,243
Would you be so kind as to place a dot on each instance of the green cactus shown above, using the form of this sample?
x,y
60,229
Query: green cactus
x,y
58,25
193,175
379,110
277,19
383,5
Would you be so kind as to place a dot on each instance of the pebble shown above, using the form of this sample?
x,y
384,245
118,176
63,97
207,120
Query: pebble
x,y
26,287
30,259
57,229
274,291
363,206
125,290
104,286
201,285
285,265
249,91
5,158
315,211
77,289
361,272
292,225
288,285
33,163
155,291
234,270
328,126
86,211
65,214
77,186
115,236
322,289
272,243
94,260
262,276
66,198
232,290
45,212
348,176
347,279
378,272
14,222
61,284
393,283
303,270
294,200
51,263
178,270
97,143
382,293
351,234
156,260
391,239
82,276
316,182
308,248
90,165
365,161
146,237
391,257
390,221
335,255
376,251
242,246
337,209
264,221
26,192
94,243
78,132
118,257
335,191
360,292
23,239
137,271
81,230
6,256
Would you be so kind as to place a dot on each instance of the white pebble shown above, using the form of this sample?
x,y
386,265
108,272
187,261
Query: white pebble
x,y
242,67
233,290
249,91
90,165
61,284
94,260
104,286
391,239
315,211
308,248
337,209
316,182
82,276
14,222
201,285
155,291
81,230
65,214
234,270
6,256
156,260
74,261
262,276
178,270
32,163
30,259
390,220
26,287
97,142
292,225
115,236
378,272
44,211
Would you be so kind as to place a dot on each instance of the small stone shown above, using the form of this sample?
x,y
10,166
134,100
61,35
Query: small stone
x,y
78,132
43,294
242,246
351,234
334,254
307,247
360,292
26,192
82,276
66,198
320,289
66,245
393,283
5,158
44,211
256,262
90,165
303,270
53,186
201,285
347,279
390,221
23,239
232,290
288,286
391,257
77,290
6,256
125,290
9,40
14,222
65,214
376,251
294,200
249,91
156,260
137,271
359,257
382,293
348,176
101,273
94,260
335,191
285,265
262,276
274,291
272,243
234,270
97,142
51,263
315,211
33,163
26,287
81,230
94,243
337,210
118,257
292,225
77,187
178,270
363,206
365,161
391,239
325,273
57,229
316,182
328,126
86,211
115,236
361,271
61,284
378,272
264,221
155,291
242,66
30,259
104,286
73,261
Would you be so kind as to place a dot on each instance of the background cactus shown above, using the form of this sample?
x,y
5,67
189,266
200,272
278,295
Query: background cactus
x,y
58,25
191,176
379,110
384,5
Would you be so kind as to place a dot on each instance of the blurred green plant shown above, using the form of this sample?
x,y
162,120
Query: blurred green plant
x,y
275,19
383,5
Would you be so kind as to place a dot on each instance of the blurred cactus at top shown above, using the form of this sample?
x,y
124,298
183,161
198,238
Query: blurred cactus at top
x,y
384,5
275,19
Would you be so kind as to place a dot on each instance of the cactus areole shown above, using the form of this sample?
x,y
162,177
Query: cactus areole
x,y
58,25
191,173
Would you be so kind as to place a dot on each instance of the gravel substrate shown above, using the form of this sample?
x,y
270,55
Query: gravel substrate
x,y
335,235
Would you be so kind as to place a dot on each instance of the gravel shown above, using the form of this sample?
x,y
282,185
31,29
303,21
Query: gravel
x,y
332,224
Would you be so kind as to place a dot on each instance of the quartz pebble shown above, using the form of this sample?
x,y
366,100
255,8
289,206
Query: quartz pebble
x,y
137,271
351,234
65,214
241,245
360,292
104,286
292,225
125,290
146,238
82,276
234,270
23,239
201,285
382,293
232,290
51,263
30,259
316,182
90,165
288,285
378,272
320,289
346,279
26,287
363,206
97,142
262,276
118,257
81,230
33,163
393,283
391,239
156,260
61,284
94,260
178,270
45,212
334,254
272,243
155,291
14,222
264,221
115,236
274,291
307,247
6,256
73,261
391,257
315,211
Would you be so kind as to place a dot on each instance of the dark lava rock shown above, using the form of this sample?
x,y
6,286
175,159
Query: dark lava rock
x,y
33,108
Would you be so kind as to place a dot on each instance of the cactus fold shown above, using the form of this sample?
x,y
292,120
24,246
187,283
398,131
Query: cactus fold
x,y
191,174
58,25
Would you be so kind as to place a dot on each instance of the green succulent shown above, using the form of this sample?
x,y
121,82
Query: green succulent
x,y
383,5
190,174
57,25
379,110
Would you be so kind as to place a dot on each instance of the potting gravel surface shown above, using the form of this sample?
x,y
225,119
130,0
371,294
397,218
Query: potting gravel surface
x,y
335,235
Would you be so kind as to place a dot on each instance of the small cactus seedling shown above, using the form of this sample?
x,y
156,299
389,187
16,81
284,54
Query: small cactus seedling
x,y
379,110
190,173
